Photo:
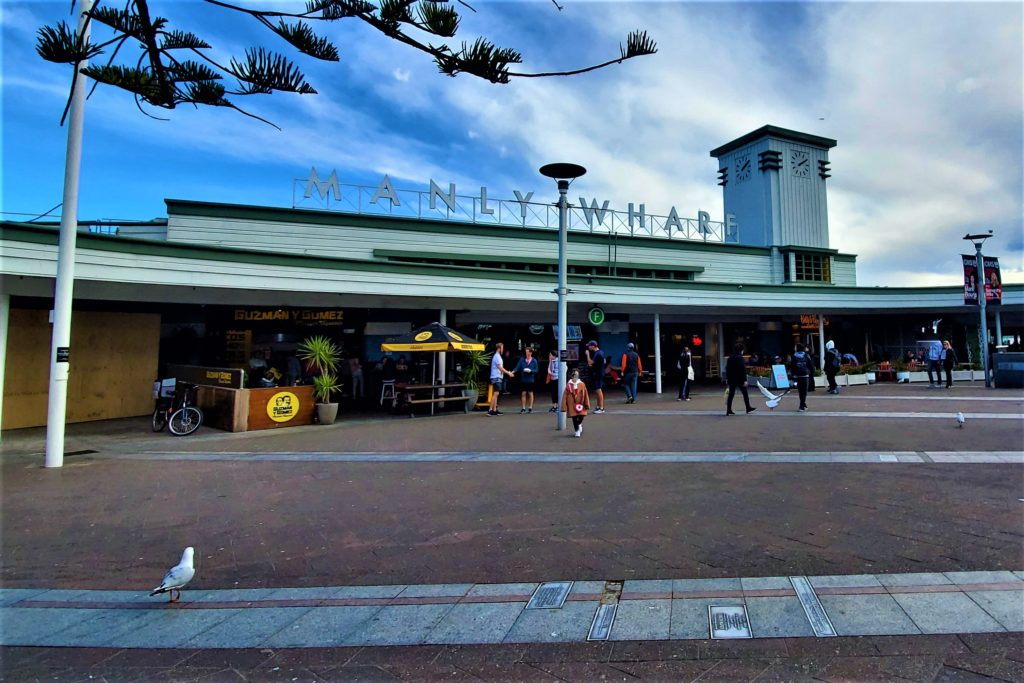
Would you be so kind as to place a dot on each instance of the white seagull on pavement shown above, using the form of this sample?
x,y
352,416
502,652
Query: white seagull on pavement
x,y
178,576
773,400
960,419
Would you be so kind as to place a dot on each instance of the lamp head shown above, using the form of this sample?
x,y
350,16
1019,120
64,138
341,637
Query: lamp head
x,y
562,171
978,238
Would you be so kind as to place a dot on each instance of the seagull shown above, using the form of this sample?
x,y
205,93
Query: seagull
x,y
773,400
178,576
960,419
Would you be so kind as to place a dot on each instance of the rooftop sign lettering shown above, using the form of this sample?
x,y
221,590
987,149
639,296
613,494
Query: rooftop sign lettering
x,y
444,203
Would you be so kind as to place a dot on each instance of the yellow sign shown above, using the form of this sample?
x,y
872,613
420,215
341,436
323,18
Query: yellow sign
x,y
423,336
295,315
282,406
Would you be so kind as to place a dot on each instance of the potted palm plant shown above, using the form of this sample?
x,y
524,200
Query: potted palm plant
x,y
473,363
321,356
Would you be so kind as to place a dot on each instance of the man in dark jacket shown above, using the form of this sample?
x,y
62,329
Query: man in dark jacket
x,y
736,376
802,369
631,368
832,364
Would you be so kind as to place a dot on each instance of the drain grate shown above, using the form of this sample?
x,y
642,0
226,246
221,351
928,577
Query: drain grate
x,y
83,452
812,607
601,628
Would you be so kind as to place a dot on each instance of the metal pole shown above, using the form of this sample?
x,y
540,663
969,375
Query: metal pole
x,y
563,209
60,346
821,342
442,364
657,353
983,328
999,328
5,313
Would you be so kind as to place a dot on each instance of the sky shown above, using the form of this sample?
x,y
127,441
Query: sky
x,y
924,99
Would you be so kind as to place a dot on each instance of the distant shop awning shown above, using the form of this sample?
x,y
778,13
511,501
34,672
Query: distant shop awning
x,y
433,337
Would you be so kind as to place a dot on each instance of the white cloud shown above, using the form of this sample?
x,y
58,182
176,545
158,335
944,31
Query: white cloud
x,y
402,75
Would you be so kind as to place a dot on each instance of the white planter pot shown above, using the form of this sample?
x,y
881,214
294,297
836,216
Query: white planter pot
x,y
902,376
871,377
852,380
821,381
962,375
919,376
326,413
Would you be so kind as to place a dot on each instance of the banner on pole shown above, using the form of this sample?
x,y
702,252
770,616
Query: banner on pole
x,y
992,280
970,279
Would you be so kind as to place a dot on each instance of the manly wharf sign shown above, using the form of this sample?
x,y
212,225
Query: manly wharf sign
x,y
327,192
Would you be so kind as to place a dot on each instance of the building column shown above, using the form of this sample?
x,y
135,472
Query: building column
x,y
821,341
5,315
722,351
442,361
999,327
657,353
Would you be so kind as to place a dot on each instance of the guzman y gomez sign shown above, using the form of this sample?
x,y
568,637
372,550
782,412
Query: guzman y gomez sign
x,y
481,208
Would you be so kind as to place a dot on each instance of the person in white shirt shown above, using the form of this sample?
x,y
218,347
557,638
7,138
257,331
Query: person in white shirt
x,y
498,374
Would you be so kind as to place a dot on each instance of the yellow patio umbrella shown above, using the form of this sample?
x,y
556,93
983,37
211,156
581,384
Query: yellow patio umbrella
x,y
435,338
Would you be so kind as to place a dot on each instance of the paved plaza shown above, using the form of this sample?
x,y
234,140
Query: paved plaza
x,y
871,538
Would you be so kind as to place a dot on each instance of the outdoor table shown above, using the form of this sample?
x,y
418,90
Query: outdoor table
x,y
408,394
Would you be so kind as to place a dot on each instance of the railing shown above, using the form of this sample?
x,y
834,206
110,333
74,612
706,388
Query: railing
x,y
416,205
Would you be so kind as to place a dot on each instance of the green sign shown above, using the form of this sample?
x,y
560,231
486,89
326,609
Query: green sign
x,y
595,315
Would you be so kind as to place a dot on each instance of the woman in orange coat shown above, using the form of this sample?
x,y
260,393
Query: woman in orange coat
x,y
576,401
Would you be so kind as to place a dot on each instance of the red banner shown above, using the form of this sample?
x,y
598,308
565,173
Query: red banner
x,y
992,280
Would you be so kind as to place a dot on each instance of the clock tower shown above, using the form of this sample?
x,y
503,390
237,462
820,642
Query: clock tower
x,y
773,182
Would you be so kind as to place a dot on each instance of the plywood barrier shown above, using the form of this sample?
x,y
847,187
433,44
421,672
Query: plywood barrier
x,y
113,365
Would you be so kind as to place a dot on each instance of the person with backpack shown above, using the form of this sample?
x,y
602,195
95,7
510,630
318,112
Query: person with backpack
x,y
803,374
631,368
832,363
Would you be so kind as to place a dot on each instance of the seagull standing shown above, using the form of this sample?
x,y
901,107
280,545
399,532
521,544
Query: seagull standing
x,y
960,419
773,400
178,576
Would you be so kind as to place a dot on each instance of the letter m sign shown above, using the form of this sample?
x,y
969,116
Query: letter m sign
x,y
323,187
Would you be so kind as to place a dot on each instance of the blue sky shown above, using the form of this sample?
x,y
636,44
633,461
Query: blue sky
x,y
925,100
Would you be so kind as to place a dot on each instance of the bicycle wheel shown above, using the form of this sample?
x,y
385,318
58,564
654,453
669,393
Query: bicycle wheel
x,y
159,419
186,420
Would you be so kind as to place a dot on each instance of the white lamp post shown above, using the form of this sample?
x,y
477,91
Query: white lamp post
x,y
978,240
564,174
60,347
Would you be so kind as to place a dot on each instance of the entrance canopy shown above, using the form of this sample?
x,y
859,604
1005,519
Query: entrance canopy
x,y
433,337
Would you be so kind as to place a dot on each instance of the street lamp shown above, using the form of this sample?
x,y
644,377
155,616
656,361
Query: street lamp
x,y
564,174
978,240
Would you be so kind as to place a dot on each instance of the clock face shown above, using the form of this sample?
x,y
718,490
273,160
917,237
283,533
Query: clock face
x,y
742,167
800,162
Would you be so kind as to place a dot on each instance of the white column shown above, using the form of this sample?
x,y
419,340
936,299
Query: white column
x,y
442,361
821,341
657,353
5,314
999,327
60,346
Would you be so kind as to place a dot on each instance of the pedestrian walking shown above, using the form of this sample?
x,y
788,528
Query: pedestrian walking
x,y
935,363
736,376
948,358
596,360
576,402
631,367
527,370
554,367
833,361
498,374
803,374
685,367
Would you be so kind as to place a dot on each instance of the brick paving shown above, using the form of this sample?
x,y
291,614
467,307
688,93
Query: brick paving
x,y
102,523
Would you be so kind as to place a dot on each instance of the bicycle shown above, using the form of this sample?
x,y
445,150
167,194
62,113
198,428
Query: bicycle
x,y
179,413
